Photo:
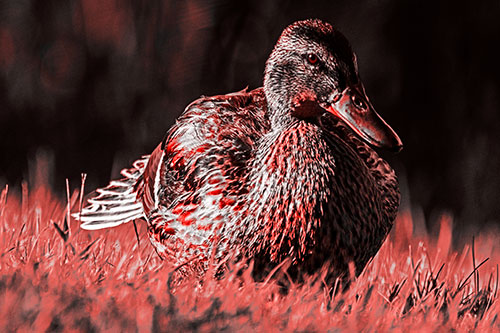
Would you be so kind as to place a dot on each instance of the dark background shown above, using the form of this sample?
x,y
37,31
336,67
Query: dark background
x,y
90,85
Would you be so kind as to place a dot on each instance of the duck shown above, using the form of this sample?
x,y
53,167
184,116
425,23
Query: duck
x,y
285,172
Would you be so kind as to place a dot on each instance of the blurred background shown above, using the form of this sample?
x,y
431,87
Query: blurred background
x,y
90,85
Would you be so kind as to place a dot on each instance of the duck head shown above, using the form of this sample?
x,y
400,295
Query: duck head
x,y
312,70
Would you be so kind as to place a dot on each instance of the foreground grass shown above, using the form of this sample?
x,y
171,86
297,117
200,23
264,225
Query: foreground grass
x,y
55,276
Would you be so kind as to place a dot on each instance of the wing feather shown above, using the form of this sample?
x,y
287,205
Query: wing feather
x,y
116,203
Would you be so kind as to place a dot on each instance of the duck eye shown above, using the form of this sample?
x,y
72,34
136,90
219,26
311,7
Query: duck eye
x,y
312,58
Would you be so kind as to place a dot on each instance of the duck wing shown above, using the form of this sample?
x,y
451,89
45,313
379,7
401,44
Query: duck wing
x,y
199,171
116,203
204,154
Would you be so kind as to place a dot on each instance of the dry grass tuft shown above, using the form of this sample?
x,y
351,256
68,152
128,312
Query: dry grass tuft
x,y
55,276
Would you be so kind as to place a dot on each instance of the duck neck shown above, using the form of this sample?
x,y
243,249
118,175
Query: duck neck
x,y
278,89
280,115
290,185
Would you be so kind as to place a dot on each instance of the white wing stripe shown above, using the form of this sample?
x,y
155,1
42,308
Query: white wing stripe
x,y
89,219
116,203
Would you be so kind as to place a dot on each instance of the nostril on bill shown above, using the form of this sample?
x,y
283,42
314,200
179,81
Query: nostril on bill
x,y
358,102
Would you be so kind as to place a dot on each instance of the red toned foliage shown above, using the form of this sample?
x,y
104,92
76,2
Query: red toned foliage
x,y
55,276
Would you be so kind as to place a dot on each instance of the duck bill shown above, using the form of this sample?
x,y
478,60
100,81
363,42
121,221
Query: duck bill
x,y
353,107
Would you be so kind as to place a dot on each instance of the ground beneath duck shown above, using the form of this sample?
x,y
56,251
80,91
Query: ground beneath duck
x,y
55,276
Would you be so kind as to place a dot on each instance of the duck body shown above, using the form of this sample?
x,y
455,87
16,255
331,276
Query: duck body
x,y
263,175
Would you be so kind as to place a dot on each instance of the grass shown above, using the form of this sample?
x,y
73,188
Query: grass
x,y
55,276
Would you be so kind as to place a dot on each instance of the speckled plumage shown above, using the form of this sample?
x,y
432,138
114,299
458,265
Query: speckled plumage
x,y
273,173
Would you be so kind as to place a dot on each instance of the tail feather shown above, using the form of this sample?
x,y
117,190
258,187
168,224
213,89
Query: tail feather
x,y
116,203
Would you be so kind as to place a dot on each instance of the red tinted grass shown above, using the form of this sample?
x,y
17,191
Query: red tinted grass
x,y
55,276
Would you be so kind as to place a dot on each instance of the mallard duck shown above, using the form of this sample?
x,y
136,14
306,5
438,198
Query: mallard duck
x,y
285,171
